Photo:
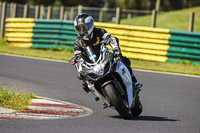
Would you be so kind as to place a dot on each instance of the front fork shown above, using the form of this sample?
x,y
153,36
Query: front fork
x,y
94,91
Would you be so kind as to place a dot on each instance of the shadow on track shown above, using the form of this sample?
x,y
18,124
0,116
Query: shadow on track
x,y
147,118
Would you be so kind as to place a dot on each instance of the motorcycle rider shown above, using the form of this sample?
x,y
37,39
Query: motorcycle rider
x,y
88,35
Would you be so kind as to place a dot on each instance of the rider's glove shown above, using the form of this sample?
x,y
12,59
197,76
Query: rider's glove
x,y
105,41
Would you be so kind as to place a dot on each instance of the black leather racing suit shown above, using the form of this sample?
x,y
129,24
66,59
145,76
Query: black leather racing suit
x,y
99,35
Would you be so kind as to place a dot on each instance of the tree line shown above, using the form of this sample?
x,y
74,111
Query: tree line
x,y
165,5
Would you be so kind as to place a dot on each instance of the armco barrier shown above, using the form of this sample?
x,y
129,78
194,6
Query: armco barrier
x,y
145,43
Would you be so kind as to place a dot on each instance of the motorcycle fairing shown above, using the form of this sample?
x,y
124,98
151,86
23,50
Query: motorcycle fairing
x,y
122,70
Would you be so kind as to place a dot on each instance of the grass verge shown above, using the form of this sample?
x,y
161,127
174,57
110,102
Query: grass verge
x,y
49,54
167,67
136,64
15,100
175,20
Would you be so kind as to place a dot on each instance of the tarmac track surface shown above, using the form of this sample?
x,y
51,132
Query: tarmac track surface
x,y
171,102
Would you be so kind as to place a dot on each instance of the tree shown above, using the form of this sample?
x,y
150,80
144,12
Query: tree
x,y
165,5
90,3
17,1
71,2
109,4
127,4
44,2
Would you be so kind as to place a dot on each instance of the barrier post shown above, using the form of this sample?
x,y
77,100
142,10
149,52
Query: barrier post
x,y
13,9
41,11
37,10
153,18
118,15
79,9
101,15
129,16
65,15
191,22
25,11
3,16
49,12
72,13
62,11
157,5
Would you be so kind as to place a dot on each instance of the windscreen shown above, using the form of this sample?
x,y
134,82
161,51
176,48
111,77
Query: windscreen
x,y
91,54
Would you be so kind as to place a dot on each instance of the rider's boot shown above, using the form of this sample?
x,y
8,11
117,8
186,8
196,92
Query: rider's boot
x,y
137,84
85,87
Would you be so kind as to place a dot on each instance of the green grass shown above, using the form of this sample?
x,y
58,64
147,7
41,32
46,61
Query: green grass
x,y
174,20
136,64
41,53
167,67
15,100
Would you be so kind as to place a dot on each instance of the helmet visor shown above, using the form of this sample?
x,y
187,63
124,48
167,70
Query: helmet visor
x,y
84,28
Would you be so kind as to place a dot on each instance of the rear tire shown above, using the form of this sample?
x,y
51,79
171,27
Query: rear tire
x,y
117,101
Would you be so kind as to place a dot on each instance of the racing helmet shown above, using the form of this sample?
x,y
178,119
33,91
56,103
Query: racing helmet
x,y
84,25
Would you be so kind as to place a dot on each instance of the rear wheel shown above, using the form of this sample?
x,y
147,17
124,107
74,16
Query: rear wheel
x,y
117,101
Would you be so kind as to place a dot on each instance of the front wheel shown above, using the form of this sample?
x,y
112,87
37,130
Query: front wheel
x,y
137,109
117,101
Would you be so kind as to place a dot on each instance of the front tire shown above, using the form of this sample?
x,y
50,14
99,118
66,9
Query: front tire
x,y
117,101
138,108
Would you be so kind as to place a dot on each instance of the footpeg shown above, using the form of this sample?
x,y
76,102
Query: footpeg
x,y
105,106
97,99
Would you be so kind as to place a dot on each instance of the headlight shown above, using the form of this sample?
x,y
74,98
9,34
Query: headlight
x,y
99,69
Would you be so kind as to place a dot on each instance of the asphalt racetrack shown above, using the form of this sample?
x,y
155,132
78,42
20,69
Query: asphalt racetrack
x,y
171,102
